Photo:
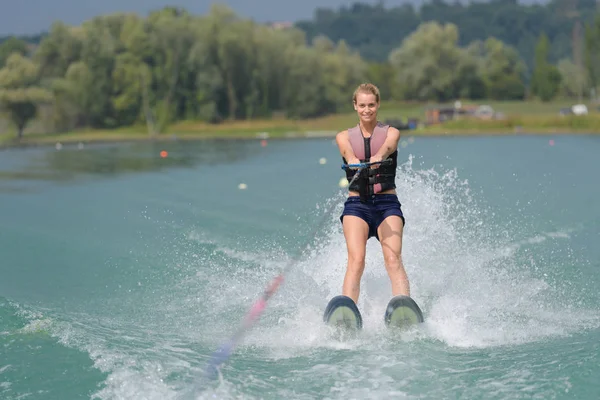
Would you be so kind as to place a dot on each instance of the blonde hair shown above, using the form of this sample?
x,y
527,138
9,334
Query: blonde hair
x,y
366,88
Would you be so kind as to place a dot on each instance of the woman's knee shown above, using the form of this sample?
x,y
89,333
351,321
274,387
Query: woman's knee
x,y
356,262
392,260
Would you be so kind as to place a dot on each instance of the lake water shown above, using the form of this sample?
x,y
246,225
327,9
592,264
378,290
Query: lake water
x,y
122,271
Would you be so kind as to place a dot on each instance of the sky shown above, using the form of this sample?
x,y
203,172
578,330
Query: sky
x,y
24,17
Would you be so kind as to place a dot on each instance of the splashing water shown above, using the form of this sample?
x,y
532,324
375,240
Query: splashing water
x,y
472,286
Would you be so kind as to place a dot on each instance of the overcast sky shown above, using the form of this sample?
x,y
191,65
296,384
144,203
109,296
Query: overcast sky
x,y
33,16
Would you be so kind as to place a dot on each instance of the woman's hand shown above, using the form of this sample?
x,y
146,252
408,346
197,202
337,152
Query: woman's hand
x,y
375,159
353,160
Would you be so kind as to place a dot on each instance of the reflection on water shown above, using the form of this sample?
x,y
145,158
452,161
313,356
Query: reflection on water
x,y
19,166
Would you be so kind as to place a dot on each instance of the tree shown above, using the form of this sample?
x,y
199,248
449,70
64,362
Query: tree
x,y
546,78
171,36
71,98
20,94
501,69
429,65
592,52
381,74
222,48
574,79
9,46
59,49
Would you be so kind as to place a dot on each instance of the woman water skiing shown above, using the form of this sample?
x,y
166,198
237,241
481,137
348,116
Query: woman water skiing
x,y
372,208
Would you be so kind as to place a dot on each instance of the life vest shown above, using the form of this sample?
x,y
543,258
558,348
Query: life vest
x,y
371,180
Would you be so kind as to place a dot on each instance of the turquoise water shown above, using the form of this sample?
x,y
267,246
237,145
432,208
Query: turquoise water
x,y
121,271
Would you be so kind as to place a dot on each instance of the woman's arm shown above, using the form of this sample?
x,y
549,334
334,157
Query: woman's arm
x,y
345,147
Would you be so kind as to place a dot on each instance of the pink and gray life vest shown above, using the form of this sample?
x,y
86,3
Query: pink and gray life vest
x,y
372,180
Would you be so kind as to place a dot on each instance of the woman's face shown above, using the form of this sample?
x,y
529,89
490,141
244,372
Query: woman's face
x,y
366,106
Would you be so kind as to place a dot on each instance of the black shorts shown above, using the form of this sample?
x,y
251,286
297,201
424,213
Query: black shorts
x,y
376,208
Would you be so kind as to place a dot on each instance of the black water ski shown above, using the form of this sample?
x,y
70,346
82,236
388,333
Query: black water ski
x,y
342,312
402,312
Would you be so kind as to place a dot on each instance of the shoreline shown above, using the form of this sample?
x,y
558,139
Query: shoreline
x,y
115,138
517,118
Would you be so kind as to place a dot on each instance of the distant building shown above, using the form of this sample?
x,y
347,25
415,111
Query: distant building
x,y
437,114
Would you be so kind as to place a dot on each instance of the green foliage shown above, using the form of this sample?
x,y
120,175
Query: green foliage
x,y
375,30
372,30
546,78
29,39
20,94
381,74
574,79
430,66
525,123
59,49
501,69
592,51
10,46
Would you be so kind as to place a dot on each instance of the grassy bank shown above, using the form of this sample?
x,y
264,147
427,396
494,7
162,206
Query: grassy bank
x,y
522,124
519,117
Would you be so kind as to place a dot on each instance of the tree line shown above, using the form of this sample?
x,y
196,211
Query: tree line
x,y
122,69
375,30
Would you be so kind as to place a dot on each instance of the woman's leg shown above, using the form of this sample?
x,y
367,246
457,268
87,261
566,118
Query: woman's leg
x,y
356,232
390,237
